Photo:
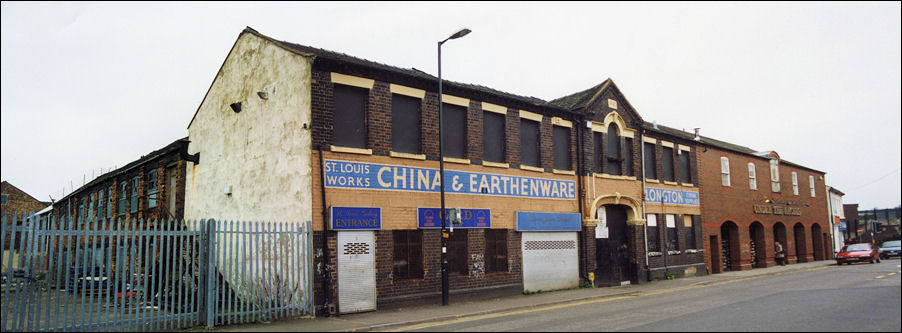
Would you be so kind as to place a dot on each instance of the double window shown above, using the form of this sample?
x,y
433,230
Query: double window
x,y
405,124
529,142
123,195
753,177
673,243
349,117
811,185
795,183
774,176
724,171
408,254
689,224
152,188
652,233
133,204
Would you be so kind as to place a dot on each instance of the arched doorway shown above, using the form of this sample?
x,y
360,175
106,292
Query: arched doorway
x,y
729,245
757,245
817,242
798,231
779,234
612,246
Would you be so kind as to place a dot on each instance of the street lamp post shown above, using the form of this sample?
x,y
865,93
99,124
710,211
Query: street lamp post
x,y
441,162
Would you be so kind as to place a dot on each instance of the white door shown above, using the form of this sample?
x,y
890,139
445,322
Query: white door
x,y
550,261
356,271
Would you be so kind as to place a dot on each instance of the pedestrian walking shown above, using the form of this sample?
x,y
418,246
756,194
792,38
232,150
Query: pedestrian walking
x,y
780,254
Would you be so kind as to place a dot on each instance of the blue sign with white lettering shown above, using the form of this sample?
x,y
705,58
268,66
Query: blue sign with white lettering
x,y
359,175
667,196
535,221
356,218
470,218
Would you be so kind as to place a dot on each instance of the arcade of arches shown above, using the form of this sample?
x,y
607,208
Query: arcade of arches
x,y
741,247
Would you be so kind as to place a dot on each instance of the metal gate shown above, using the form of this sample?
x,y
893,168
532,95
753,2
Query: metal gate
x,y
550,261
128,275
356,271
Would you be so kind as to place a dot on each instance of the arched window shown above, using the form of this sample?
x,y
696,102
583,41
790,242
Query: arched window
x,y
612,150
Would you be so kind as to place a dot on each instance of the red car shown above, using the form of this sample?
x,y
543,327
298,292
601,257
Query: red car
x,y
857,252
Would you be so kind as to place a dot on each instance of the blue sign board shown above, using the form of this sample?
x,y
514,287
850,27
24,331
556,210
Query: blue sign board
x,y
471,218
356,218
359,175
842,226
534,221
667,196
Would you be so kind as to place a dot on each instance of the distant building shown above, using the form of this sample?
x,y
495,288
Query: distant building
x,y
837,217
149,188
14,205
880,224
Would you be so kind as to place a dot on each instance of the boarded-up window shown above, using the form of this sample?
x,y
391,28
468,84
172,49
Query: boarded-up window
x,y
408,254
628,157
109,201
650,163
405,124
529,142
457,253
685,173
560,137
493,137
349,117
454,131
612,150
598,142
667,160
496,250
100,204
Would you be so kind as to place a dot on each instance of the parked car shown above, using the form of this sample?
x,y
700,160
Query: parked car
x,y
857,252
890,249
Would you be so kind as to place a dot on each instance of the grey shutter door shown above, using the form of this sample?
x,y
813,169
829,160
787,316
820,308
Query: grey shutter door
x,y
550,261
356,271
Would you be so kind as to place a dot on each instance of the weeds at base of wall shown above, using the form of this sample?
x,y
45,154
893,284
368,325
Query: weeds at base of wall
x,y
530,292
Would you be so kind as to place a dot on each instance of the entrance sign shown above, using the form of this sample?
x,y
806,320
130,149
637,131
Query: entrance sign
x,y
370,176
535,221
356,218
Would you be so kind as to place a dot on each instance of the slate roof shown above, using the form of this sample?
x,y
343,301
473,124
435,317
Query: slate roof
x,y
581,99
175,145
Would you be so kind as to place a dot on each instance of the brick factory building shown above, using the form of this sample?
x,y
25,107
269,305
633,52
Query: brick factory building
x,y
553,193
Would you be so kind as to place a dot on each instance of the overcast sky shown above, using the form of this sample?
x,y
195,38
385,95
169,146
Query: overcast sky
x,y
87,87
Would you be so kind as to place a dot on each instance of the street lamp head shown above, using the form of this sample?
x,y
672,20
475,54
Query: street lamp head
x,y
459,34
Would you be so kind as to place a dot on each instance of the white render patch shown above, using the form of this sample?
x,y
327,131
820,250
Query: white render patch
x,y
612,104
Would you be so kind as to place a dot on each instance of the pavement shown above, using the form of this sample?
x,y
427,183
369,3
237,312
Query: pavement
x,y
468,306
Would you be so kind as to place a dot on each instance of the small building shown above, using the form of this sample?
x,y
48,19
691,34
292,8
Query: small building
x,y
837,218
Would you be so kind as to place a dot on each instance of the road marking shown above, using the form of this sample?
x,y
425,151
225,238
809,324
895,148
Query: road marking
x,y
880,277
462,318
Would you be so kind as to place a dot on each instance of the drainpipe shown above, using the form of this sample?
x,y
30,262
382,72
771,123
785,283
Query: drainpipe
x,y
579,198
642,176
325,248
